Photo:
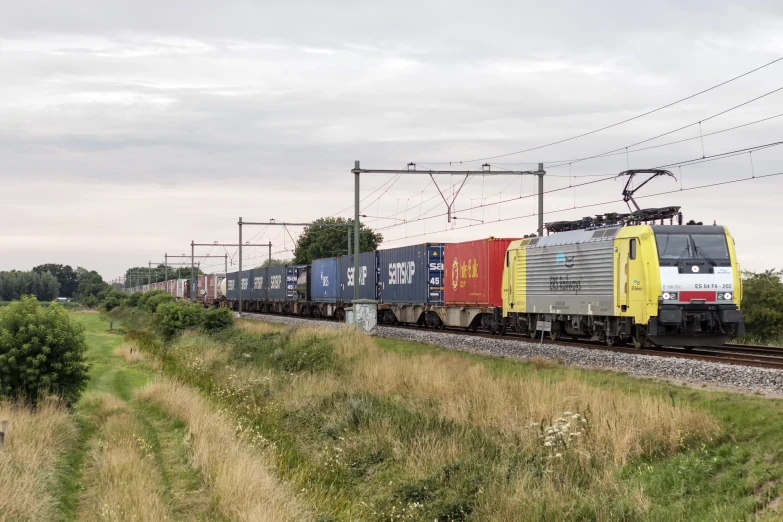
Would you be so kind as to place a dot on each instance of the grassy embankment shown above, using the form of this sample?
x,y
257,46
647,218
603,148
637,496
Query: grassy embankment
x,y
305,424
383,429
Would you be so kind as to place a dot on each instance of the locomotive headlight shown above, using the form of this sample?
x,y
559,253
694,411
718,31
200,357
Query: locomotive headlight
x,y
667,296
727,296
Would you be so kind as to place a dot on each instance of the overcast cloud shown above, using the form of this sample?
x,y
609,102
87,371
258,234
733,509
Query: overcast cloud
x,y
130,129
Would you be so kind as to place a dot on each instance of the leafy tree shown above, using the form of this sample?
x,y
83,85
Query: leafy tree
x,y
328,237
762,304
173,317
90,283
65,275
42,350
15,284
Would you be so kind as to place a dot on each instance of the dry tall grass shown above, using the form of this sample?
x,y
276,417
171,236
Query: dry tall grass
x,y
259,326
122,482
28,460
130,352
621,425
244,483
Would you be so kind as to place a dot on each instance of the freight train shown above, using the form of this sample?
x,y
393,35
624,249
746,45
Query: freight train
x,y
645,284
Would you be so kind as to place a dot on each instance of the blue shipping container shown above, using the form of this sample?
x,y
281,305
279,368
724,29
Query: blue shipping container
x,y
277,283
325,280
368,276
258,284
412,274
232,286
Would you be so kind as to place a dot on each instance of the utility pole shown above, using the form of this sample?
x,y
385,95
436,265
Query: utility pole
x,y
166,269
239,279
225,270
540,173
356,172
268,266
192,273
450,203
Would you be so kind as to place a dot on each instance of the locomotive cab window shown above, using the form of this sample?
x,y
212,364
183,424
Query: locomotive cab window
x,y
632,250
675,247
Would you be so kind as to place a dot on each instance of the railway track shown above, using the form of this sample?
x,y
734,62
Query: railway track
x,y
736,354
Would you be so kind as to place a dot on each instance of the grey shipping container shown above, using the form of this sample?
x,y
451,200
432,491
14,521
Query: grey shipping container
x,y
368,276
325,280
411,274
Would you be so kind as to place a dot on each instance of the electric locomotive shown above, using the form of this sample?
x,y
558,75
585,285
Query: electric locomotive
x,y
673,285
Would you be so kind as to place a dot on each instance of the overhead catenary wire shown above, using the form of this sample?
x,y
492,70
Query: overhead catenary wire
x,y
606,178
647,113
619,200
699,122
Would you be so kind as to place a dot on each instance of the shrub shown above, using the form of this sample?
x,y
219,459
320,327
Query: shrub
x,y
172,317
90,301
133,299
145,296
154,301
217,319
762,304
41,350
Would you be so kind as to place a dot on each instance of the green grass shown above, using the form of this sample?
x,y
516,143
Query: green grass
x,y
344,449
111,374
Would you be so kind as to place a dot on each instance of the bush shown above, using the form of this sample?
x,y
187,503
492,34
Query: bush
x,y
41,351
90,301
762,304
145,296
173,317
111,302
133,299
154,301
217,319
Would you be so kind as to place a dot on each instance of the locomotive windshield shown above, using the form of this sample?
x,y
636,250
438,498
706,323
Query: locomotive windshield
x,y
678,246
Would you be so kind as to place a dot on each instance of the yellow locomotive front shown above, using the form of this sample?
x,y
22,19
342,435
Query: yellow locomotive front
x,y
700,286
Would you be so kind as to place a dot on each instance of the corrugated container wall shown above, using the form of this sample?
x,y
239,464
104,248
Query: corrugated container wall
x,y
325,280
473,272
411,274
232,285
202,286
368,276
277,283
258,284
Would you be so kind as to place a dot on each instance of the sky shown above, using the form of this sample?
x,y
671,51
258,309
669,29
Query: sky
x,y
131,129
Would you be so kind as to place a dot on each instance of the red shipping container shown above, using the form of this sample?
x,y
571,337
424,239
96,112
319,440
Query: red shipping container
x,y
211,295
202,287
473,272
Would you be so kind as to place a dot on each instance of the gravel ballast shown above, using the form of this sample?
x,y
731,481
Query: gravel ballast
x,y
742,378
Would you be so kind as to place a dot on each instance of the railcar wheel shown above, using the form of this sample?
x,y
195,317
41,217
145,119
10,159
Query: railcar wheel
x,y
639,338
609,341
554,335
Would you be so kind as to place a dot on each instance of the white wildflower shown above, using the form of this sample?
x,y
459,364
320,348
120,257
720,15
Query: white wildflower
x,y
547,444
558,456
567,413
